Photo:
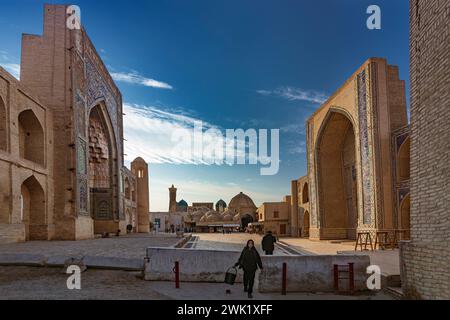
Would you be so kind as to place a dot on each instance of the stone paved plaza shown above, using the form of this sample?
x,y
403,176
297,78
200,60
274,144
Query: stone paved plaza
x,y
229,242
32,283
129,246
133,247
21,282
388,259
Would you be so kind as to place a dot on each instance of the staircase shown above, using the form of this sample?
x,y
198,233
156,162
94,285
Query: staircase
x,y
392,285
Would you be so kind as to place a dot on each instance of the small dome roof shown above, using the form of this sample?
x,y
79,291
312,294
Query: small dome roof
x,y
139,159
221,203
241,201
182,203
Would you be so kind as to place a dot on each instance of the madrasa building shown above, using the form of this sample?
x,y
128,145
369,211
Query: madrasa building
x,y
62,172
358,155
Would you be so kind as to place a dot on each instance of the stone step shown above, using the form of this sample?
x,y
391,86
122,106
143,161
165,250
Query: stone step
x,y
396,292
390,280
96,262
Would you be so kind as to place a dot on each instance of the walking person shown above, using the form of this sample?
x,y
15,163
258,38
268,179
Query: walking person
x,y
249,261
268,243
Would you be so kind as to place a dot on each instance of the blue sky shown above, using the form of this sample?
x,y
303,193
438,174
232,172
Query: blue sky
x,y
231,64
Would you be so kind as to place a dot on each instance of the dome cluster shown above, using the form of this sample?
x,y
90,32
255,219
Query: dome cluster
x,y
241,205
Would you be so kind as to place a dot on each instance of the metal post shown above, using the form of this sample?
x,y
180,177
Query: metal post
x,y
351,277
283,286
177,274
336,277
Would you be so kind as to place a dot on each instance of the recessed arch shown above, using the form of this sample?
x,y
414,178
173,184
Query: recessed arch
x,y
128,216
3,126
103,173
31,137
306,223
246,219
336,176
32,209
404,160
305,193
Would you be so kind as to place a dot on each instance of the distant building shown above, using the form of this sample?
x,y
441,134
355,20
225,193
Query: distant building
x,y
276,216
167,221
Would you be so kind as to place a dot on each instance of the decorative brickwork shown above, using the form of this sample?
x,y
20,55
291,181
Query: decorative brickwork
x,y
366,164
69,111
351,175
425,260
99,153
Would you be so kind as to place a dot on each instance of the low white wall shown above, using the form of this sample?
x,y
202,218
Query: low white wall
x,y
195,265
308,273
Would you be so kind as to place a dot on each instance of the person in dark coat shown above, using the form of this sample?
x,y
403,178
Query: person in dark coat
x,y
249,261
268,243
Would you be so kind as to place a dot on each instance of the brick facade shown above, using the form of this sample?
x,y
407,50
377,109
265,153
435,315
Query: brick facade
x,y
356,125
425,260
63,119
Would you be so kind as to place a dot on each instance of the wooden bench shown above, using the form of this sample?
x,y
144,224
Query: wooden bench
x,y
364,239
382,240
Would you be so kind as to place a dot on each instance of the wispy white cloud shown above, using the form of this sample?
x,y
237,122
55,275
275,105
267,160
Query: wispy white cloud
x,y
297,147
135,78
294,94
149,132
12,68
9,65
293,128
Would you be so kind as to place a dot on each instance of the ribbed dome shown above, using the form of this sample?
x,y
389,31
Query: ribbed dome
x,y
211,216
227,217
241,201
214,217
198,215
182,203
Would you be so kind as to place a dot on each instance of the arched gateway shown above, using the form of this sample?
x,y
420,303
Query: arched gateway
x,y
102,170
337,176
32,209
352,139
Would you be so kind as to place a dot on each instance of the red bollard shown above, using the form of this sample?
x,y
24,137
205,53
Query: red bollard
x,y
283,285
351,277
176,269
336,278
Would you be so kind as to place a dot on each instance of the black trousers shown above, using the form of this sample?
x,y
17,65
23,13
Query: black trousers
x,y
249,279
269,252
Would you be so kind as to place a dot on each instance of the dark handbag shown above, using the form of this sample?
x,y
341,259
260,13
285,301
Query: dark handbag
x,y
230,276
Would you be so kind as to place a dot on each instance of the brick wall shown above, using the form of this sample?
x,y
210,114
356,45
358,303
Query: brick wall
x,y
425,260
